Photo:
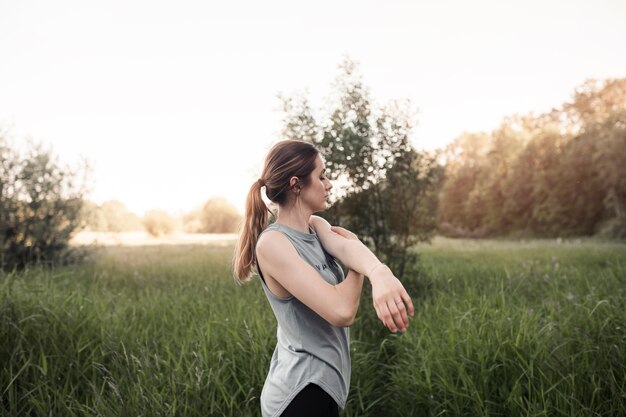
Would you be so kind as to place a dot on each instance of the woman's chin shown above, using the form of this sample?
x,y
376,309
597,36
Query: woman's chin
x,y
322,207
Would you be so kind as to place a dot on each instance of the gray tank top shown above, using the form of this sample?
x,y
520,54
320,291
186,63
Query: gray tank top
x,y
308,348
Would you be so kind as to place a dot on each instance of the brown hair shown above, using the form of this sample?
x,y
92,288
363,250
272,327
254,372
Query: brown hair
x,y
286,159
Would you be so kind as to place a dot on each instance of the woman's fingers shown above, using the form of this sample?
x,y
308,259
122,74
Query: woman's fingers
x,y
393,303
344,232
398,313
392,315
382,312
387,319
409,304
384,317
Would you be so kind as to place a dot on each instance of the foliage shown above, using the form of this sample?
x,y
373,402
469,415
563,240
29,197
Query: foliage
x,y
93,217
394,224
118,218
158,222
110,216
387,189
217,215
555,174
40,206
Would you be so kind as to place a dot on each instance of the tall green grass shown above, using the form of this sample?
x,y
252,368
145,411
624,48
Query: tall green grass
x,y
501,329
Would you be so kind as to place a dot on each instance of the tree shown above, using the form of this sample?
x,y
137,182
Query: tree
x,y
595,101
40,206
609,161
158,222
460,193
217,215
111,216
93,217
593,177
118,218
387,190
555,174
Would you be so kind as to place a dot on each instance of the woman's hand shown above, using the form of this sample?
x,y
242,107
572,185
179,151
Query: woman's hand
x,y
391,301
344,232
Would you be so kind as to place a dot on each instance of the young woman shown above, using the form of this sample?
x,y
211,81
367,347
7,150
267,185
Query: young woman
x,y
313,302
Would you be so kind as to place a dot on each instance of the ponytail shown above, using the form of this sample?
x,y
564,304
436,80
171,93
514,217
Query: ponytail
x,y
285,160
254,221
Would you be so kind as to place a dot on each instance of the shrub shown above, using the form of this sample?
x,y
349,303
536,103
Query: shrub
x,y
40,206
158,222
216,216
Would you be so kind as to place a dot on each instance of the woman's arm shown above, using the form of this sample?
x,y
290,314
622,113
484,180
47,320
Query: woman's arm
x,y
391,301
358,284
278,259
354,281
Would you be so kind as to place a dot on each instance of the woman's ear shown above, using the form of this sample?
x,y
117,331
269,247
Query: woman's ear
x,y
294,183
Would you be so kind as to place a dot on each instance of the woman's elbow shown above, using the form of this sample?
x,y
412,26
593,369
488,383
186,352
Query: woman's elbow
x,y
346,319
349,322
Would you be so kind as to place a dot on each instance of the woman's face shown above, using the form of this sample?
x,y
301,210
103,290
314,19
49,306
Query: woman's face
x,y
316,192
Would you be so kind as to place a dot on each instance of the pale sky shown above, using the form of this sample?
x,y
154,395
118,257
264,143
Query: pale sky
x,y
176,102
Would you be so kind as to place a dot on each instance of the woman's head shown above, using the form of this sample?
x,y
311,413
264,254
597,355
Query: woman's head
x,y
287,172
287,159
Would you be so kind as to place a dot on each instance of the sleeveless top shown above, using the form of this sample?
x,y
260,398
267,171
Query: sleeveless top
x,y
308,348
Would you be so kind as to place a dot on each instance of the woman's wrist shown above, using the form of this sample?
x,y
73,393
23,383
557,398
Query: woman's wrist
x,y
377,271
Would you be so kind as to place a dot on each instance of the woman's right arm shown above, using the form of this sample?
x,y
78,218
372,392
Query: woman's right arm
x,y
392,303
337,304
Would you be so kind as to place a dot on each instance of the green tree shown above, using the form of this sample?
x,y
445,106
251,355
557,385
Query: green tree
x,y
593,177
387,190
40,206
460,193
610,160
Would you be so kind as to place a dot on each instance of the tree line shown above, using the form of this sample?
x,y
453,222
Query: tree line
x,y
557,174
216,215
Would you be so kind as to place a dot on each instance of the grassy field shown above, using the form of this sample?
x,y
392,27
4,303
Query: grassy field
x,y
501,329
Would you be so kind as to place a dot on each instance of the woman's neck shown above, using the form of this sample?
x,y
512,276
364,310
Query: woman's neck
x,y
294,218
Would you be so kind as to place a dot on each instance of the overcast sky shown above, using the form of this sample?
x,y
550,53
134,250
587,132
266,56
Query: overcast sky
x,y
175,102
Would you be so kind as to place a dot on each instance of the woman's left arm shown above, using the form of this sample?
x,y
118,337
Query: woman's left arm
x,y
391,301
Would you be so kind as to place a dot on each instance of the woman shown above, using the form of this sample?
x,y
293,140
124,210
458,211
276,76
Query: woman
x,y
313,302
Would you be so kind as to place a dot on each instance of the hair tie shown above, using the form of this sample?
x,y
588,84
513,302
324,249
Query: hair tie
x,y
261,182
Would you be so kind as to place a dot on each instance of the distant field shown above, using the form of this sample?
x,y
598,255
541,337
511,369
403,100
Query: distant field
x,y
502,328
144,239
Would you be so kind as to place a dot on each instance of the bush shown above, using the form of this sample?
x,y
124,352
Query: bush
x,y
40,206
118,218
112,216
216,216
93,217
158,222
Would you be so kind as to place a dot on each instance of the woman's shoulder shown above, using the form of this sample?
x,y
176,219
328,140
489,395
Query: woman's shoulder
x,y
271,238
